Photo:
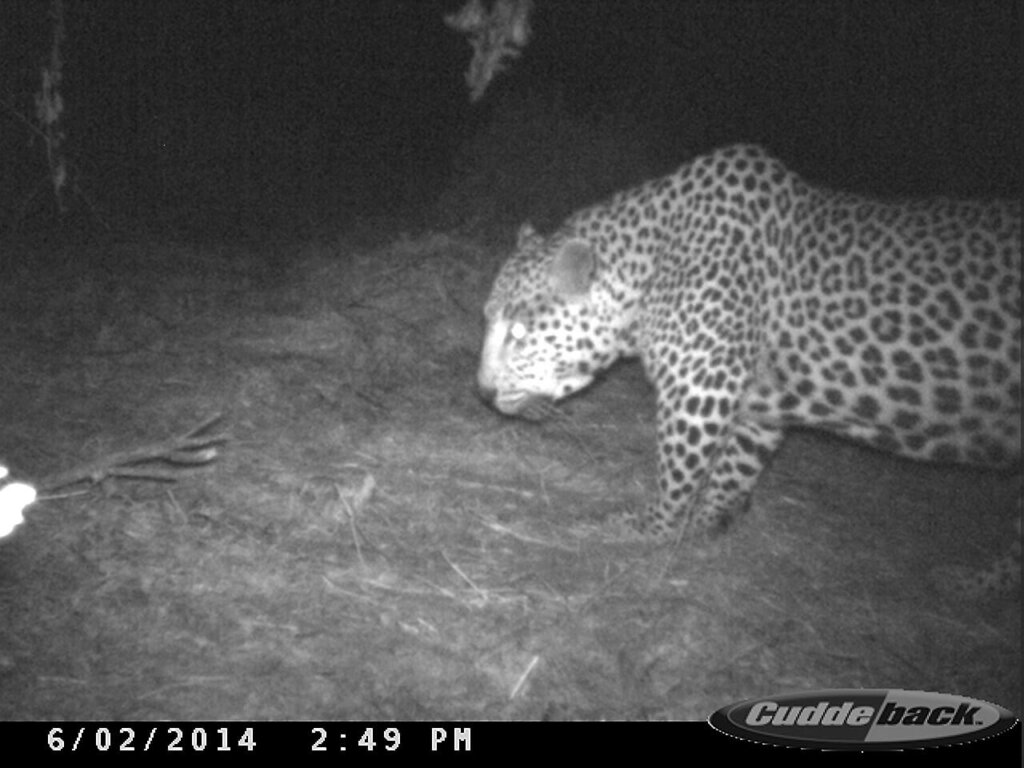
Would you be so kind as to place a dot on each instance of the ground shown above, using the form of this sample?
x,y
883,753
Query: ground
x,y
375,543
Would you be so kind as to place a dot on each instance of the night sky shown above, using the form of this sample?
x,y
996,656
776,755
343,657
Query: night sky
x,y
360,107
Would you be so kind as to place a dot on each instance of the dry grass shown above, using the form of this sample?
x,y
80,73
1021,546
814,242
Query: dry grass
x,y
375,543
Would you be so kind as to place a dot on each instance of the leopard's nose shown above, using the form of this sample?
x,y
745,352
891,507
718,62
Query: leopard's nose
x,y
487,393
485,382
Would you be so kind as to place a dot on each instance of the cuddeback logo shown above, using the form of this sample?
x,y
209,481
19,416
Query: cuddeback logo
x,y
863,719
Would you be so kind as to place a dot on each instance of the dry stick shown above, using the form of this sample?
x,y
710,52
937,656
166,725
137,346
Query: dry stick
x,y
192,448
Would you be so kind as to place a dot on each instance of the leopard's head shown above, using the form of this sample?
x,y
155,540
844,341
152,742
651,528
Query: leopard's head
x,y
547,331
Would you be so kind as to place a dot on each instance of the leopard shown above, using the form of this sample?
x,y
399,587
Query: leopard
x,y
757,302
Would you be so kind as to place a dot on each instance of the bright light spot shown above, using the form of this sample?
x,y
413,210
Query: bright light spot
x,y
13,500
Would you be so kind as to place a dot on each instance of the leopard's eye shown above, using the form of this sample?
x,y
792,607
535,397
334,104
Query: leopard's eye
x,y
517,331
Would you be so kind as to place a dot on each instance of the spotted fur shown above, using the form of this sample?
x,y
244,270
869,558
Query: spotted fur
x,y
757,301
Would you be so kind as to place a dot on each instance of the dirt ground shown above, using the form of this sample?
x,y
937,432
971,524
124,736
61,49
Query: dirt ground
x,y
372,542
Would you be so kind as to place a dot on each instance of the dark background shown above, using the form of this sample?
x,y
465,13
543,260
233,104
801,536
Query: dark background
x,y
274,112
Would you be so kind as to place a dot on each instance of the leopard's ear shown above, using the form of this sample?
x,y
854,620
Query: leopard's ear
x,y
574,268
526,234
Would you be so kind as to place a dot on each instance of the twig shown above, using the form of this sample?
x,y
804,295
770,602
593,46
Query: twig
x,y
191,449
